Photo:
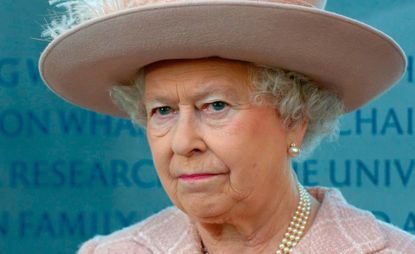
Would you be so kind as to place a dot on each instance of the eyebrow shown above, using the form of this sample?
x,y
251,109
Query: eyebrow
x,y
206,89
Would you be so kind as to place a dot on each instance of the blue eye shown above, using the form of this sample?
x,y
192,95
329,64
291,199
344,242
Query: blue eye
x,y
218,105
165,110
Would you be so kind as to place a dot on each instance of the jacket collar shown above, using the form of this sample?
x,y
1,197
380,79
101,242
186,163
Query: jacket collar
x,y
340,227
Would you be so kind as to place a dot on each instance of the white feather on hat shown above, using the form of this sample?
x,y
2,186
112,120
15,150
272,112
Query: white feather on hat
x,y
79,11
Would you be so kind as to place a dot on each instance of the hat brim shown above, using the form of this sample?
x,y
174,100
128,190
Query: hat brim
x,y
357,61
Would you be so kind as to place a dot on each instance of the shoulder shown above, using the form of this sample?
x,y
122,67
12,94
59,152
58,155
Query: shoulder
x,y
345,228
143,237
101,245
397,240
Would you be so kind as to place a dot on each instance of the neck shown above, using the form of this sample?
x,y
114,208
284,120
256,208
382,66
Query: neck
x,y
253,227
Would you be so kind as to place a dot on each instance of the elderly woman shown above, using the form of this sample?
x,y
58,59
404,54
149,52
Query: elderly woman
x,y
229,92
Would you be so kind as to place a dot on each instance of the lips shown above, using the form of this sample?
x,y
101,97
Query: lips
x,y
199,176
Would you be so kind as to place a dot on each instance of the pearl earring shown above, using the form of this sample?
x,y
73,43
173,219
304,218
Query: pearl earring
x,y
294,150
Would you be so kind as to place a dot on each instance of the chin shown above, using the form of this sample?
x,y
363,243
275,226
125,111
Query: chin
x,y
212,211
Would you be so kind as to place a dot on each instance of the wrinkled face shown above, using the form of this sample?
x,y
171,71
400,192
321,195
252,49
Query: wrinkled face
x,y
213,150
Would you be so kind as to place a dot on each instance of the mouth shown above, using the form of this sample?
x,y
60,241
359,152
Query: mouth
x,y
197,177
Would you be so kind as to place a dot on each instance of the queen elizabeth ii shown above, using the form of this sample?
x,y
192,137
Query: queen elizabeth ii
x,y
229,92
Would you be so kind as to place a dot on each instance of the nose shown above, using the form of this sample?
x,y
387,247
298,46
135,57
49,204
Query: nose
x,y
186,138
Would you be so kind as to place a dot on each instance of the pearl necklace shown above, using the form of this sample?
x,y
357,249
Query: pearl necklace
x,y
296,227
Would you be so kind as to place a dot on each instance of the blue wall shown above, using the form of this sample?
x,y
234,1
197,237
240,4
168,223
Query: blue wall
x,y
67,174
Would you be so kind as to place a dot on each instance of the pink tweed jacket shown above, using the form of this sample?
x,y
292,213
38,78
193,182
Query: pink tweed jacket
x,y
338,228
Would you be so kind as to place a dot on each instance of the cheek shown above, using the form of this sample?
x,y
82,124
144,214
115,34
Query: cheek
x,y
161,157
253,147
258,131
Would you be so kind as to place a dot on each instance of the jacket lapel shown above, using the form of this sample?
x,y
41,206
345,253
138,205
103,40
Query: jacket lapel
x,y
169,232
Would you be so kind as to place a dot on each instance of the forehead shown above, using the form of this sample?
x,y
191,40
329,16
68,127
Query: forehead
x,y
197,75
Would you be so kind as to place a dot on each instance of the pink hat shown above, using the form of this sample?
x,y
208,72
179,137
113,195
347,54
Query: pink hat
x,y
102,43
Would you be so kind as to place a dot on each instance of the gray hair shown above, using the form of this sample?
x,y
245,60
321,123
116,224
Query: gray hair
x,y
299,99
296,97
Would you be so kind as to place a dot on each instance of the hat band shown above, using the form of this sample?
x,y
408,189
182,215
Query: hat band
x,y
305,3
294,2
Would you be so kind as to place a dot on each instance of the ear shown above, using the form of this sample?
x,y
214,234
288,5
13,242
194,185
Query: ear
x,y
296,133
